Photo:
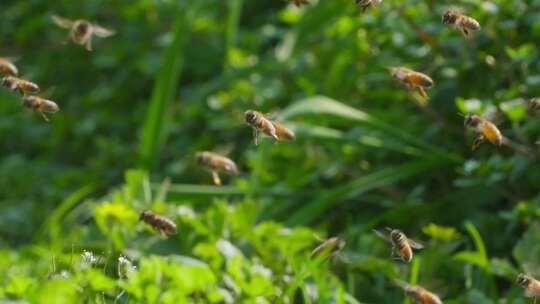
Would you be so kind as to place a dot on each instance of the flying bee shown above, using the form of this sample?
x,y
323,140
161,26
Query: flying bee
x,y
365,4
217,163
82,31
534,103
158,222
418,294
402,247
19,85
484,129
40,105
7,67
413,80
261,123
530,284
462,23
333,245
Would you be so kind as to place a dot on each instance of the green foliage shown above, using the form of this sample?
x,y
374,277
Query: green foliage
x,y
201,263
155,129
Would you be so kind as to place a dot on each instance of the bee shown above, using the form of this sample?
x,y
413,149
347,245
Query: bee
x,y
365,4
19,85
462,23
534,103
484,129
158,222
216,163
7,67
333,245
402,247
261,123
418,294
300,2
530,284
40,105
413,80
82,31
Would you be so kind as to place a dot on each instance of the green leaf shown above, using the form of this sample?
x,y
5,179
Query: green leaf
x,y
184,191
322,105
154,132
503,268
471,257
441,232
516,109
479,244
313,210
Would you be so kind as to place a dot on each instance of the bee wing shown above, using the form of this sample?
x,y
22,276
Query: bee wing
x,y
383,235
62,22
48,93
11,59
318,250
271,115
101,31
415,244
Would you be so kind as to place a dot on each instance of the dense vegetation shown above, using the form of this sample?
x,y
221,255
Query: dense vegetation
x,y
176,79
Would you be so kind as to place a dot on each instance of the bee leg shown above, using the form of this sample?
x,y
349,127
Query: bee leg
x,y
44,116
394,254
216,179
88,44
465,32
18,89
255,135
274,136
478,140
422,92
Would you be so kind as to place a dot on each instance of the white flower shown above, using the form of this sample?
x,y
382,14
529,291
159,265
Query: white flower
x,y
125,268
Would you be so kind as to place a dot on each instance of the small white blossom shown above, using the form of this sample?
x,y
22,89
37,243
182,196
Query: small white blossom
x,y
125,268
88,259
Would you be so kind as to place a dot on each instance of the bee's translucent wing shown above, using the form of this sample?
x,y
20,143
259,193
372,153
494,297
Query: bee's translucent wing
x,y
11,59
318,249
415,244
62,22
382,235
101,31
47,93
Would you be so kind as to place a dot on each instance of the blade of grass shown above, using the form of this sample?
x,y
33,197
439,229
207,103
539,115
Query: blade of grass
x,y
324,133
53,224
235,9
481,250
322,105
478,243
154,132
413,278
181,191
309,212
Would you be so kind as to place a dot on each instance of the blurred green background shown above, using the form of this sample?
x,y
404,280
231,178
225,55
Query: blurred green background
x,y
176,79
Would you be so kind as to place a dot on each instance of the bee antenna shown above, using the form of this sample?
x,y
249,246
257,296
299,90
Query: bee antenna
x,y
461,114
389,229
